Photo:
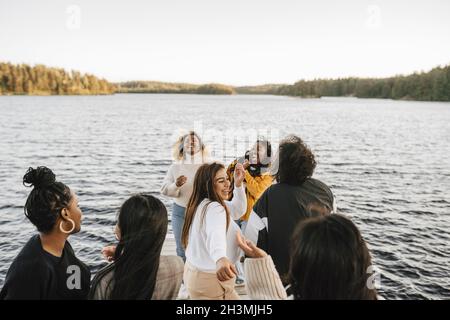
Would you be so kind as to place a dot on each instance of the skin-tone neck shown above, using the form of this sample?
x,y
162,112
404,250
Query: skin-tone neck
x,y
54,242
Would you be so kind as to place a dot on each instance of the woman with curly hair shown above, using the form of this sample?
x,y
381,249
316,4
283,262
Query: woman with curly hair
x,y
329,261
294,197
47,268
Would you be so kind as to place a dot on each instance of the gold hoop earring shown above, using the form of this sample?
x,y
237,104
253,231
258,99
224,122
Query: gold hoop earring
x,y
64,231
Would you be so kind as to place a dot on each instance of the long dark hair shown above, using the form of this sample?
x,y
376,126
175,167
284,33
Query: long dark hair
x,y
47,199
203,189
330,260
142,221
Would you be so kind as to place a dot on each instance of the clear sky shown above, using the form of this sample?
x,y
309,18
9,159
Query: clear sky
x,y
234,42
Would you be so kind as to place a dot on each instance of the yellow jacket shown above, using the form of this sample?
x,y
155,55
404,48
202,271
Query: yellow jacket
x,y
255,187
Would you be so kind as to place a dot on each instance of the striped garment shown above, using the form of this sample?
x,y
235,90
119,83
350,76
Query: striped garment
x,y
262,279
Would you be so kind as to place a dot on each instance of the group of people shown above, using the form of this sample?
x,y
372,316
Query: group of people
x,y
262,220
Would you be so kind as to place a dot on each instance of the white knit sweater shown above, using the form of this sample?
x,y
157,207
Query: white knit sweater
x,y
209,240
186,167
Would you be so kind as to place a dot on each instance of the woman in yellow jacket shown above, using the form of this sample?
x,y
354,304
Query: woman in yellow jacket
x,y
257,176
256,163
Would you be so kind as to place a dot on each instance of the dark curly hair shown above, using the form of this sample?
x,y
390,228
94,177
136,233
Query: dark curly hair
x,y
46,200
296,161
330,260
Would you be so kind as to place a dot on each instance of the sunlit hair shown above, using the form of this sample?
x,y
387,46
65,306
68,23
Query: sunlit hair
x,y
330,260
203,189
178,147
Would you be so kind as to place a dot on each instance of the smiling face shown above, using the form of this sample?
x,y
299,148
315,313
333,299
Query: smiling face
x,y
191,144
222,184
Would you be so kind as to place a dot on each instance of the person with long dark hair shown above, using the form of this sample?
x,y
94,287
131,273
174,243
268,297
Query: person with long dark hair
x,y
295,196
46,267
329,260
139,271
209,233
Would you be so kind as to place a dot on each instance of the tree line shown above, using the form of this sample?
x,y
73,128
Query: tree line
x,y
168,87
42,80
426,86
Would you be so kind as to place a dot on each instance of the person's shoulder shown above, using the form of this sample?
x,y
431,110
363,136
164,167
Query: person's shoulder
x,y
104,273
31,254
100,282
317,183
275,188
29,266
213,211
214,206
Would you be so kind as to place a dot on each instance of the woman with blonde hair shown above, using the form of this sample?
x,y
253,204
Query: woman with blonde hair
x,y
189,154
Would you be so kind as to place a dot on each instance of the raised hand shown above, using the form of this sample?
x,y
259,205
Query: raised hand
x,y
246,164
108,253
239,175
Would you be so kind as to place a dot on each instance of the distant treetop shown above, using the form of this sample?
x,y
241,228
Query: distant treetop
x,y
42,80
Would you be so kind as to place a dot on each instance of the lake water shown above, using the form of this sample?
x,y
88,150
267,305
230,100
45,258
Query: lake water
x,y
388,162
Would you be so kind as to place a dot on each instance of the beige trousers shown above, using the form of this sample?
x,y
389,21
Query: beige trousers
x,y
205,286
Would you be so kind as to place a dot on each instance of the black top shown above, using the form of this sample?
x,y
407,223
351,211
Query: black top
x,y
281,207
38,275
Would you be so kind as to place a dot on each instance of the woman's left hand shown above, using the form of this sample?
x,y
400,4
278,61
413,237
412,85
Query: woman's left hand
x,y
239,175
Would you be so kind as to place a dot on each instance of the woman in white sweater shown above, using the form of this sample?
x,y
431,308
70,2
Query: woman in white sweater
x,y
209,233
189,154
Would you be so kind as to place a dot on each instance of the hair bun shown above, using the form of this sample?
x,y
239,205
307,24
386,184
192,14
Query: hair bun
x,y
40,177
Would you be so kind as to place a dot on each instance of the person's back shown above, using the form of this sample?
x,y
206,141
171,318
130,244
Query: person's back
x,y
282,206
168,280
329,261
47,268
138,267
38,275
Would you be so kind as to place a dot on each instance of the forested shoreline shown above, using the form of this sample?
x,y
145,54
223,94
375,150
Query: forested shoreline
x,y
425,86
171,87
22,79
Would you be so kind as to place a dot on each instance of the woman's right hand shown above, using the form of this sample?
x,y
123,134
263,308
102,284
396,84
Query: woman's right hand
x,y
249,247
108,253
225,270
180,181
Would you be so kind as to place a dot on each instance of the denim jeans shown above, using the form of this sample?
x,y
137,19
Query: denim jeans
x,y
178,213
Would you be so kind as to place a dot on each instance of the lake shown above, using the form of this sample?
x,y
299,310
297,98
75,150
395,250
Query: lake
x,y
388,163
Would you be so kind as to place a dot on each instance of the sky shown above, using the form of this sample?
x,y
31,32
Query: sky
x,y
235,42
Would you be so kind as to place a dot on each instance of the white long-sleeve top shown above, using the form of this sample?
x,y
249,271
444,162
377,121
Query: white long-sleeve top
x,y
209,240
187,167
